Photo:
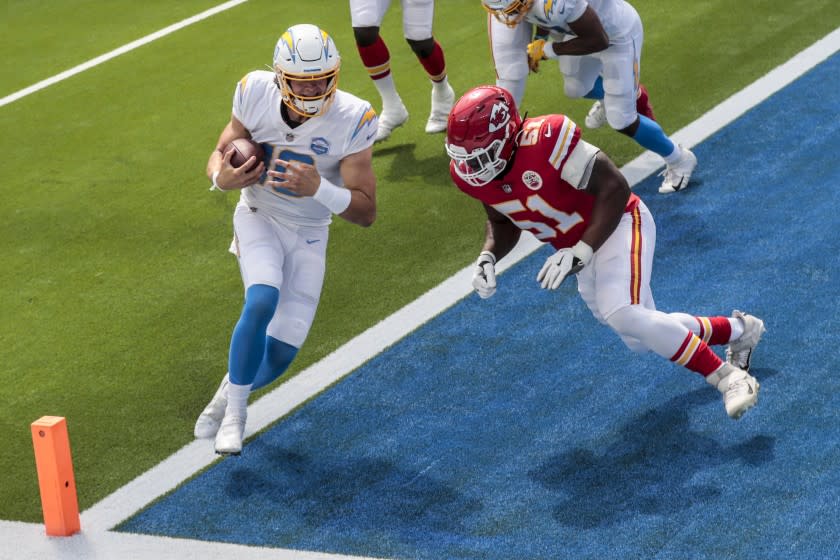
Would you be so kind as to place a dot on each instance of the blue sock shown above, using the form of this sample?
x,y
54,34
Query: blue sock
x,y
248,341
597,91
650,135
278,356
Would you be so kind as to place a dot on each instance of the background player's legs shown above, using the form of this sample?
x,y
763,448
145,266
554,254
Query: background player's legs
x,y
418,16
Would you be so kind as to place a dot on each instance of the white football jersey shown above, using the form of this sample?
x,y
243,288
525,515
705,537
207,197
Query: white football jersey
x,y
347,127
617,16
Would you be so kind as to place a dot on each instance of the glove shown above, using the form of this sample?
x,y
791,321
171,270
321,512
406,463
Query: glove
x,y
484,275
536,53
569,260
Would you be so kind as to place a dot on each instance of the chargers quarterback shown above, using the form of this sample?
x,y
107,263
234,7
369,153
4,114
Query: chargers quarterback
x,y
318,144
540,175
598,48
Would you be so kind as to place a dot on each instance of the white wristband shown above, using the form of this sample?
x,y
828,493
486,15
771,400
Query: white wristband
x,y
336,198
548,50
215,186
582,251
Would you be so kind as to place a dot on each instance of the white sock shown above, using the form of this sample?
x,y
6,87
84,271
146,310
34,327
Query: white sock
x,y
674,156
237,399
388,92
440,88
737,328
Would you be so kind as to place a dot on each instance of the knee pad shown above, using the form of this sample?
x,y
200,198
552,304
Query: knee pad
x,y
422,48
619,119
365,36
625,323
575,88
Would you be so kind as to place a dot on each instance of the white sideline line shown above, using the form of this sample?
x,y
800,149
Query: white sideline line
x,y
95,540
117,52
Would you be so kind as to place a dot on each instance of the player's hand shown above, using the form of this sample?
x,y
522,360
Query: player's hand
x,y
231,177
566,261
484,275
298,177
536,53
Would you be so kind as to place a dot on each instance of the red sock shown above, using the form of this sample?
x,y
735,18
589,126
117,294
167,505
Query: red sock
x,y
376,59
715,330
643,106
435,64
694,354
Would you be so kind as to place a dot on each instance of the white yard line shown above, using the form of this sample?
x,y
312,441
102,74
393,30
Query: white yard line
x,y
117,52
95,539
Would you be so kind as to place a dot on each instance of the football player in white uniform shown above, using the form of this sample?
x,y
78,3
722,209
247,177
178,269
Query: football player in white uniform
x,y
366,17
540,175
318,144
598,47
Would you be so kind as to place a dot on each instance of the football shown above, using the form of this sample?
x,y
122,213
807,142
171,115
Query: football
x,y
244,149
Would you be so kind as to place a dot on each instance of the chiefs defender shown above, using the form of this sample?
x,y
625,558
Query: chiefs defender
x,y
539,175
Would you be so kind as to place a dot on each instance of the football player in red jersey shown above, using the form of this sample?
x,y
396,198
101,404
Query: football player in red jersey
x,y
540,175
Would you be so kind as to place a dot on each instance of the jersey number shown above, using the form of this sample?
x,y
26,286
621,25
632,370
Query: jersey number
x,y
275,153
536,203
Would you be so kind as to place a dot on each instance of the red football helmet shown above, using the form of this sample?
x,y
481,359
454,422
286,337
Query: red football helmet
x,y
481,133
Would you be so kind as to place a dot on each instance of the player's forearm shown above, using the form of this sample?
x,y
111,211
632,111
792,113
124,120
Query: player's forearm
x,y
580,46
362,209
500,238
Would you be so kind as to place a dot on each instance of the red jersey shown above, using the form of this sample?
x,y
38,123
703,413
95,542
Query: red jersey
x,y
534,193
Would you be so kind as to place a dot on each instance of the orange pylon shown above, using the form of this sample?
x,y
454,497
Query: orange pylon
x,y
55,476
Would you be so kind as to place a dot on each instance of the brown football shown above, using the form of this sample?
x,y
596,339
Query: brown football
x,y
244,149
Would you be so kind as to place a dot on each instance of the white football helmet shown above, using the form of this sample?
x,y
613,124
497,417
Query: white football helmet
x,y
509,12
305,53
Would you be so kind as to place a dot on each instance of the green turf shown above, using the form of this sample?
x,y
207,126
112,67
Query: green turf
x,y
119,295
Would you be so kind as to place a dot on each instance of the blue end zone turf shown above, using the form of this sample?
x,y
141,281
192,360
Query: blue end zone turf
x,y
519,427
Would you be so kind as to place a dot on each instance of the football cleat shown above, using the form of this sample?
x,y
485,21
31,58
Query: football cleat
x,y
230,434
741,393
211,417
597,116
678,174
441,105
739,389
390,119
739,352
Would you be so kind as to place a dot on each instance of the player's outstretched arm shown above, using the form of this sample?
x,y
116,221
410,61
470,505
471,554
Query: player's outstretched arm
x,y
501,234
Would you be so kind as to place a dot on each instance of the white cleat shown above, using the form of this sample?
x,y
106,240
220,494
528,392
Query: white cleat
x,y
739,389
230,434
211,417
741,393
678,174
739,352
441,105
390,119
597,116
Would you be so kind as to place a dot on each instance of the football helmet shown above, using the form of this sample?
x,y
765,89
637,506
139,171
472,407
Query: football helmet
x,y
304,54
481,133
509,12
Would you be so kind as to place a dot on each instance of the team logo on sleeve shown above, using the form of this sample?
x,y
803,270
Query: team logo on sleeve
x,y
367,118
532,180
320,145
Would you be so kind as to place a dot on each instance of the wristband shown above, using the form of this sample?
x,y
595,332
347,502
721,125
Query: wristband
x,y
215,186
548,50
583,252
489,254
336,198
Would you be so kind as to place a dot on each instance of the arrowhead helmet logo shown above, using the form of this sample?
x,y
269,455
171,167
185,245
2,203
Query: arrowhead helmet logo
x,y
499,116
